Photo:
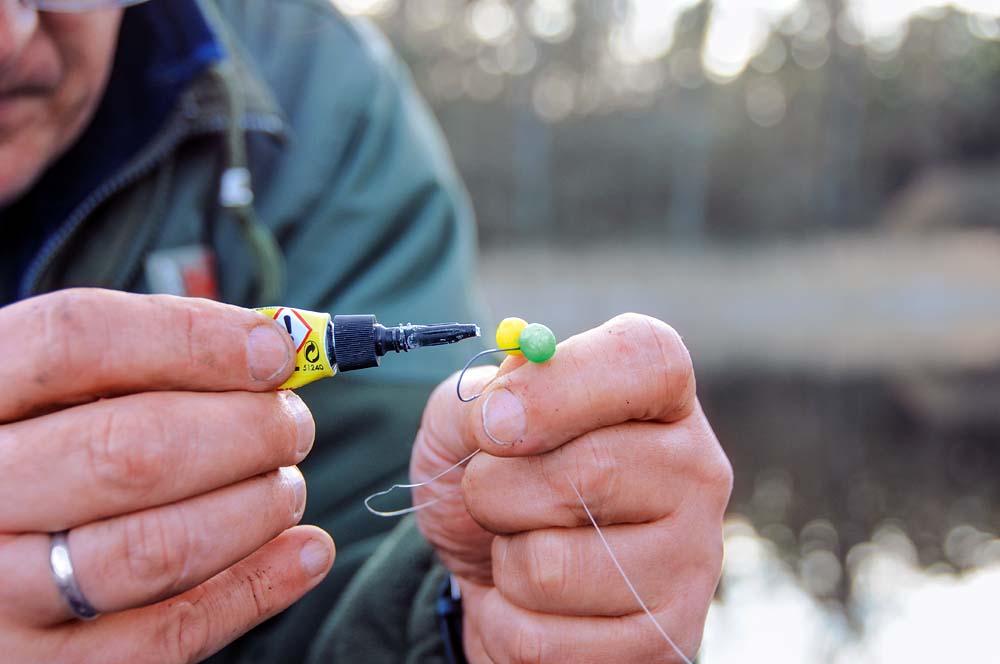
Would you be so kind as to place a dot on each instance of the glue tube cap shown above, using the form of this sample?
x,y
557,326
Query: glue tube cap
x,y
354,342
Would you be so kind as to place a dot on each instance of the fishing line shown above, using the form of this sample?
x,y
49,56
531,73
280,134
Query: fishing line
x,y
628,582
414,508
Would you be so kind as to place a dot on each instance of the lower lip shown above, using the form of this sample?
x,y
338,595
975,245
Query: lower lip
x,y
10,105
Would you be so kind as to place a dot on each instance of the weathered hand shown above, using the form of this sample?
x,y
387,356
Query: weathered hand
x,y
149,427
614,414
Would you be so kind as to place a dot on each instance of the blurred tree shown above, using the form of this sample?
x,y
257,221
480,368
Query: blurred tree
x,y
691,119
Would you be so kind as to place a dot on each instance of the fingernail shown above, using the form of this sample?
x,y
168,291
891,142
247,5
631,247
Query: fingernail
x,y
297,409
294,477
504,419
267,352
315,557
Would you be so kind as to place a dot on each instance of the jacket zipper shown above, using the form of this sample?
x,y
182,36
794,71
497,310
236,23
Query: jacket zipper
x,y
137,170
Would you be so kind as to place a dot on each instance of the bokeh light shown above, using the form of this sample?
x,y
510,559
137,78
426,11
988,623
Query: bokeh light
x,y
766,103
551,20
367,7
737,31
647,32
554,94
491,21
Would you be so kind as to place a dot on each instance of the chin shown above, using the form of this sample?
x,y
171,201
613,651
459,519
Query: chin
x,y
19,169
35,134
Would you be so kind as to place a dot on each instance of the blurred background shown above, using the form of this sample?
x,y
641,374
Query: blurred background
x,y
809,191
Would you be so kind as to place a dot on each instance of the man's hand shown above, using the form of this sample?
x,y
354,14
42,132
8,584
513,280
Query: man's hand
x,y
615,415
149,427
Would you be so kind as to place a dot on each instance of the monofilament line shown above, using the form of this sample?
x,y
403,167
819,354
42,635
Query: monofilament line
x,y
414,508
635,593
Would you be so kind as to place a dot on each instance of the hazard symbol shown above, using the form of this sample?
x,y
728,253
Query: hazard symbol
x,y
296,325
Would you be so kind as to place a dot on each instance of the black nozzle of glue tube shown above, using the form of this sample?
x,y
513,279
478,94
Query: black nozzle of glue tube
x,y
357,342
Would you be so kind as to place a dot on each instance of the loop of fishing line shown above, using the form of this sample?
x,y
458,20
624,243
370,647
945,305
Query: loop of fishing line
x,y
414,508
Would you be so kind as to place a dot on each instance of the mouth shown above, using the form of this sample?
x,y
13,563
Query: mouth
x,y
22,91
15,106
11,99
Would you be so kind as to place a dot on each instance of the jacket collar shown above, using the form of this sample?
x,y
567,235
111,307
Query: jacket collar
x,y
206,100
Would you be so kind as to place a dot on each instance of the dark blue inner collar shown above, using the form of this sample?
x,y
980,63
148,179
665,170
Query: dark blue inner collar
x,y
163,46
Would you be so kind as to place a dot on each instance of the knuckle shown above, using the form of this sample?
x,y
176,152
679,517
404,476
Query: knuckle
x,y
474,478
188,338
257,583
268,419
156,548
549,566
190,343
598,477
186,632
71,340
280,430
703,561
647,332
671,350
129,451
721,475
670,361
629,321
721,481
714,469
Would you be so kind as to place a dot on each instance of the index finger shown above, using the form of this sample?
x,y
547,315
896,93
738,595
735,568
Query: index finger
x,y
631,368
76,345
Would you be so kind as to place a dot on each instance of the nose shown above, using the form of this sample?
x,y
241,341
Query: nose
x,y
18,22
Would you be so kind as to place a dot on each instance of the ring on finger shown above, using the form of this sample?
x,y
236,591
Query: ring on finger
x,y
65,579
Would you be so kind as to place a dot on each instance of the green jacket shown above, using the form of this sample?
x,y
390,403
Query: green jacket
x,y
351,177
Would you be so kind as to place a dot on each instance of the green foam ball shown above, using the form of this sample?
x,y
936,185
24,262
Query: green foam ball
x,y
537,342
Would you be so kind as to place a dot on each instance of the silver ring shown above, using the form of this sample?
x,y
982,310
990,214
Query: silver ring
x,y
65,579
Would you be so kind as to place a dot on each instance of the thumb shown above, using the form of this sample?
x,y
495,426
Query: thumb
x,y
442,441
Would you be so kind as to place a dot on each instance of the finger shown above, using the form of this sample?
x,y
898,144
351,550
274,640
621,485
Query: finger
x,y
568,571
192,626
629,473
141,558
472,601
631,368
69,346
123,454
511,634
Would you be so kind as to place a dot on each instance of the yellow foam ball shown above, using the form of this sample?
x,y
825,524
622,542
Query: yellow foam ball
x,y
509,332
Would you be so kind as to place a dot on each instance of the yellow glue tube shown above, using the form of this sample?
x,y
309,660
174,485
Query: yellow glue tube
x,y
325,346
310,332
